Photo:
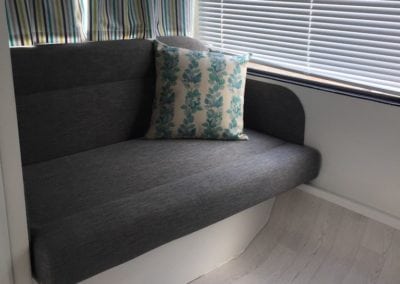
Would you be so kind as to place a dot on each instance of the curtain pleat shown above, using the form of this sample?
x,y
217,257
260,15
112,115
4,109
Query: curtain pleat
x,y
123,19
57,21
173,17
33,22
44,21
19,22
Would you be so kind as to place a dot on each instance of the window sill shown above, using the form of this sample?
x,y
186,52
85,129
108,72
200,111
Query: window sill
x,y
327,85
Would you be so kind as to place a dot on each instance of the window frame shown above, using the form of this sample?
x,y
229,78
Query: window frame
x,y
316,84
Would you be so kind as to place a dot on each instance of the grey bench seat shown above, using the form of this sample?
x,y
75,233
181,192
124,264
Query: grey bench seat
x,y
97,194
96,209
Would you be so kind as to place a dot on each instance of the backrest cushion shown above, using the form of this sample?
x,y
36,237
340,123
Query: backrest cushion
x,y
71,98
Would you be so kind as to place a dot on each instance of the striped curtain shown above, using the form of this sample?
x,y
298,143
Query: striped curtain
x,y
33,22
120,19
19,23
125,19
57,21
173,17
44,21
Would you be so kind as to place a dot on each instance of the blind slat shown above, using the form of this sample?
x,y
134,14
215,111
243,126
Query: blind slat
x,y
356,41
254,21
255,15
284,35
378,56
240,39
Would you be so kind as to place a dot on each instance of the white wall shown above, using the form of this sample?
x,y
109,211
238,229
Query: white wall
x,y
5,252
10,161
360,145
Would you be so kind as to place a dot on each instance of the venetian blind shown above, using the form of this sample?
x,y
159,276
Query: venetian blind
x,y
355,41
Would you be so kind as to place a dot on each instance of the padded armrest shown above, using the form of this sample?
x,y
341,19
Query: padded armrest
x,y
274,110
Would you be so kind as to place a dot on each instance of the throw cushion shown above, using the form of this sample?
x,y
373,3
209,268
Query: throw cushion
x,y
199,94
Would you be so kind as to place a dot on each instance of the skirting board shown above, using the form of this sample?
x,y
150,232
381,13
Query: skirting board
x,y
191,256
359,208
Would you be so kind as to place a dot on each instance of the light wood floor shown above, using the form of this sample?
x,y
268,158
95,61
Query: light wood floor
x,y
309,240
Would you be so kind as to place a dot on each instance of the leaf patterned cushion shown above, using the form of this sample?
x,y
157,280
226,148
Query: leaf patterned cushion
x,y
199,94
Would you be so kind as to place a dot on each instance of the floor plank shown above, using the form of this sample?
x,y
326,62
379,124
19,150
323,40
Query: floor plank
x,y
309,240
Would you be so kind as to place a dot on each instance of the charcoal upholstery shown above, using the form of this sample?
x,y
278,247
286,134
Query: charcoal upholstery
x,y
274,110
72,98
116,202
99,195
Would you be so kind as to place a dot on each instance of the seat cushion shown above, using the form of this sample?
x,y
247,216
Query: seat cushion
x,y
93,210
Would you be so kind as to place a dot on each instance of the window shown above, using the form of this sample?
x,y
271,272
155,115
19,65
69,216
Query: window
x,y
353,41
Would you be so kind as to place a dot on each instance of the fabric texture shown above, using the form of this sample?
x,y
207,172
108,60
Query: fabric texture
x,y
44,21
274,110
108,75
199,94
51,125
108,205
91,210
127,19
174,17
57,21
101,95
32,22
19,23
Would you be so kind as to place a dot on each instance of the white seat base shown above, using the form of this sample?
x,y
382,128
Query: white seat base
x,y
189,257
